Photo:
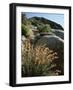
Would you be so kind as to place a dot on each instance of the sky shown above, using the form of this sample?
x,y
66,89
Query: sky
x,y
58,18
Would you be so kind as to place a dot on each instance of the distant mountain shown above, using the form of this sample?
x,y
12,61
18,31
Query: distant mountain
x,y
40,20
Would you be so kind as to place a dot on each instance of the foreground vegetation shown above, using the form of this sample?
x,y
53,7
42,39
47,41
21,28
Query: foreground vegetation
x,y
38,61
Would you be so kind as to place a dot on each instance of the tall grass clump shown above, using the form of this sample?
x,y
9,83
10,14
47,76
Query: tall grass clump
x,y
38,60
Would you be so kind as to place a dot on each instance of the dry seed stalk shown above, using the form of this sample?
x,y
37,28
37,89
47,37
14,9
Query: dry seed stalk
x,y
39,54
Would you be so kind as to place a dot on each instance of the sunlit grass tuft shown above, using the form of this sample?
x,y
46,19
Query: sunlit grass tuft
x,y
38,60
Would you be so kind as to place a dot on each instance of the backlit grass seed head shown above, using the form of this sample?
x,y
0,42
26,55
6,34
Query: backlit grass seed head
x,y
40,54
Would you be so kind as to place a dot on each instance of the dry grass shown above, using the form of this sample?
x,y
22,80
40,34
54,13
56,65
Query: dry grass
x,y
37,61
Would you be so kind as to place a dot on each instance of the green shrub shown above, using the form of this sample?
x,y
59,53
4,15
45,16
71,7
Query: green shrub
x,y
26,31
45,28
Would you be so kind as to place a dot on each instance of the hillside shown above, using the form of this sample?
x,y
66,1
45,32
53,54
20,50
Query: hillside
x,y
40,21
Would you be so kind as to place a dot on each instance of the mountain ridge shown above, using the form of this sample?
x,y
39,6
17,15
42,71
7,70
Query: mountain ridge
x,y
40,20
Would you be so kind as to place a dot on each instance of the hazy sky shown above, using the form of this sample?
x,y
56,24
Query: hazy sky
x,y
58,18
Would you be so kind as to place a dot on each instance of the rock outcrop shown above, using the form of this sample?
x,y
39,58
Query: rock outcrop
x,y
59,33
56,44
51,41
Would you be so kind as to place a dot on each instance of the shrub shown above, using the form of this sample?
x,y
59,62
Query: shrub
x,y
45,28
26,31
25,20
37,61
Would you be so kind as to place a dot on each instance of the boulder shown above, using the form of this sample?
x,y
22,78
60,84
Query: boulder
x,y
56,44
59,33
23,38
50,41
